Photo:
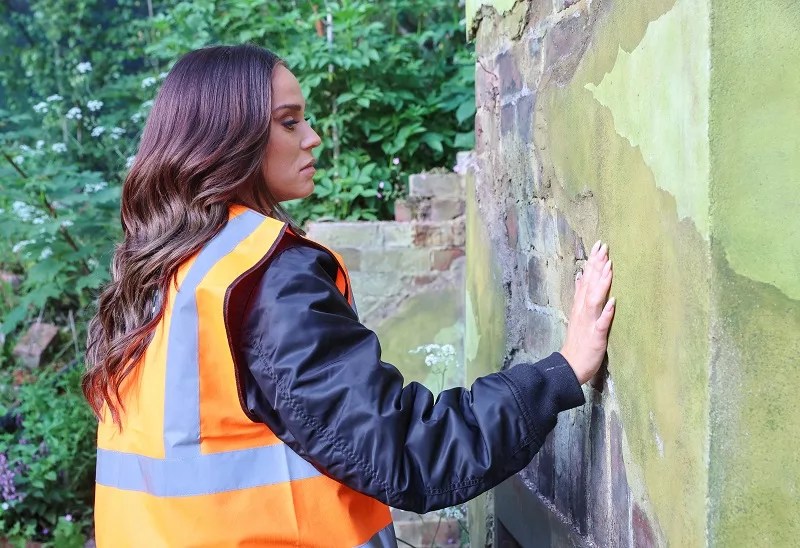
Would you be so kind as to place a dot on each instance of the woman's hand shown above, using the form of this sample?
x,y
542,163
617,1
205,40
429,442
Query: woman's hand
x,y
591,315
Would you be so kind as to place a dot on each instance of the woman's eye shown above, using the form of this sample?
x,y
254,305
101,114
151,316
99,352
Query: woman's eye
x,y
290,123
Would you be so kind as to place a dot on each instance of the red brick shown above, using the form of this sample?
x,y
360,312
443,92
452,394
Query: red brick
x,y
441,259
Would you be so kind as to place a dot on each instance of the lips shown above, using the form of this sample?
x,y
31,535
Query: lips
x,y
309,165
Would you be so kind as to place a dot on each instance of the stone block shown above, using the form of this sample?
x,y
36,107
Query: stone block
x,y
598,484
510,77
546,469
543,333
441,259
402,211
351,257
402,261
441,234
643,534
336,235
512,226
427,530
34,343
397,234
620,491
517,118
445,209
379,285
537,280
440,185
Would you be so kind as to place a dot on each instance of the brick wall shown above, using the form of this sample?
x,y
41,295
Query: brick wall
x,y
398,268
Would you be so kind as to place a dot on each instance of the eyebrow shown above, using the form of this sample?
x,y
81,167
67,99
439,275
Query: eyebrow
x,y
288,106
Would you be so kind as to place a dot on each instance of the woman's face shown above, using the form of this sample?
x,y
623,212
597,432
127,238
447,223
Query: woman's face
x,y
288,166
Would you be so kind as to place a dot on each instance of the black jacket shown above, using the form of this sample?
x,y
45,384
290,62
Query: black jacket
x,y
313,373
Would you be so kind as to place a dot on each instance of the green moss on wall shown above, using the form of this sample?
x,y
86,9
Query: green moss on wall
x,y
428,318
652,204
755,171
485,329
473,6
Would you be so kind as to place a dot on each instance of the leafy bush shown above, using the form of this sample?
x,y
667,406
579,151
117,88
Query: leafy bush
x,y
391,94
47,459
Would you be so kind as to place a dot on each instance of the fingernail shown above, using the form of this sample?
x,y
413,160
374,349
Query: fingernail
x,y
578,275
596,247
612,302
607,268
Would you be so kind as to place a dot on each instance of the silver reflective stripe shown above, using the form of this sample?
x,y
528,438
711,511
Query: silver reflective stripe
x,y
384,538
203,474
182,404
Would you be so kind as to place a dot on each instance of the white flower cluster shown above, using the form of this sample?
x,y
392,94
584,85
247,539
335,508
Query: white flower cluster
x,y
74,113
437,355
129,162
40,107
54,98
59,148
19,246
117,132
94,187
46,252
98,131
149,81
94,105
84,67
27,213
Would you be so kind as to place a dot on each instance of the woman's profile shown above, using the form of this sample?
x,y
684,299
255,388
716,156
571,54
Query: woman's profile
x,y
241,401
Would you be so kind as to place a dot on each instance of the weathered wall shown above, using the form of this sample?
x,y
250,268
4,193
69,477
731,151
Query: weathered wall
x,y
408,275
670,129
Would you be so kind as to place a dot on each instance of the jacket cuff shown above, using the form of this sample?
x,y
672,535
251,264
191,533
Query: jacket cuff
x,y
544,389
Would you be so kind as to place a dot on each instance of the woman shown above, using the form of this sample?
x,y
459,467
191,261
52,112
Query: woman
x,y
241,402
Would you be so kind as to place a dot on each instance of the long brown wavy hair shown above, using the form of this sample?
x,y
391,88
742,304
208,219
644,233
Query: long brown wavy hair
x,y
201,150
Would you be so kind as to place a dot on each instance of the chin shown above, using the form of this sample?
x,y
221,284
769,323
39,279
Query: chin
x,y
304,190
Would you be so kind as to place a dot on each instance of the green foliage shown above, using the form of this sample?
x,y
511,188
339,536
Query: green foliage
x,y
47,459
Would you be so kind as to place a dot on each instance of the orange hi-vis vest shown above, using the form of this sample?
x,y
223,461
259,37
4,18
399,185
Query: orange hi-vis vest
x,y
188,467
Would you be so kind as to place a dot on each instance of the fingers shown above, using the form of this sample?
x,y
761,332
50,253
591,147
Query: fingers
x,y
604,321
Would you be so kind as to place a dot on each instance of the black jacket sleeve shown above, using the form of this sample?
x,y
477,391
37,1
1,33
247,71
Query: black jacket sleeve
x,y
313,373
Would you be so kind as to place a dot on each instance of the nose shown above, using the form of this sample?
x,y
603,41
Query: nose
x,y
311,139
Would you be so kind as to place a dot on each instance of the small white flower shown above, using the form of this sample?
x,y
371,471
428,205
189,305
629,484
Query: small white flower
x,y
94,105
19,246
98,131
25,148
23,211
136,117
147,104
40,107
94,187
39,220
66,223
396,161
149,81
74,113
5,504
162,75
19,159
46,252
59,147
39,144
84,67
116,132
129,162
92,263
54,98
